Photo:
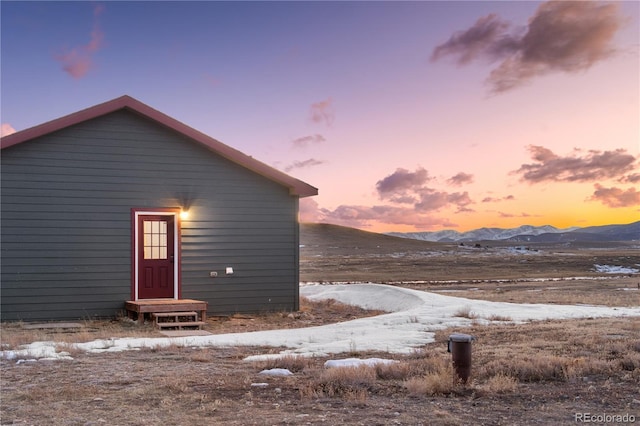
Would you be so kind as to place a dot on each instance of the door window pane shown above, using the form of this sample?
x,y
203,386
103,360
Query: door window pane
x,y
155,239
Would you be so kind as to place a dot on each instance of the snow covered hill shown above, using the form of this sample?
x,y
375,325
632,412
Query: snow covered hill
x,y
530,233
489,234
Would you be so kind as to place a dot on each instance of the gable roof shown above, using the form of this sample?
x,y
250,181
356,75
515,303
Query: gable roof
x,y
296,187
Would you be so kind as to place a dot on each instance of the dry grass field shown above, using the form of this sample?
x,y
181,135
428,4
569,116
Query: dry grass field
x,y
537,373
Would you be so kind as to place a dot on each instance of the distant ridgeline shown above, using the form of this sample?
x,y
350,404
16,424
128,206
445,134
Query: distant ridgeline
x,y
533,234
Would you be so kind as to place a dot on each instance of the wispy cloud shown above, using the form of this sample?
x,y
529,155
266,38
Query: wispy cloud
x,y
616,197
322,112
562,36
402,180
309,211
512,215
411,202
482,40
460,179
307,140
632,178
407,187
6,129
497,200
363,216
431,200
303,164
78,61
594,165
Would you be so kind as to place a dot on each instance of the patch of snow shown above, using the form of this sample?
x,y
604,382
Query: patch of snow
x,y
357,362
519,250
36,350
276,372
414,317
385,298
259,385
609,269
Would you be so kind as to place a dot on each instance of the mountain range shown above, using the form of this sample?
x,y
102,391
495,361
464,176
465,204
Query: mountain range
x,y
528,233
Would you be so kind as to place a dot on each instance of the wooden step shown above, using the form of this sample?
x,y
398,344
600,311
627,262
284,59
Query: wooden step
x,y
174,314
138,309
181,324
177,320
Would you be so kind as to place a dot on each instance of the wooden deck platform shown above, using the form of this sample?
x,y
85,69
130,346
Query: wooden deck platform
x,y
139,308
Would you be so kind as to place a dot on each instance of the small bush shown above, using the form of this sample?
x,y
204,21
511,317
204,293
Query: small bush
x,y
630,362
544,368
500,383
393,370
293,363
436,383
69,348
534,369
466,312
174,383
362,375
351,383
496,317
200,355
431,375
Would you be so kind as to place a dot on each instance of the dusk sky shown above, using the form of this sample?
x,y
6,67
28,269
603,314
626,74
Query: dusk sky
x,y
408,116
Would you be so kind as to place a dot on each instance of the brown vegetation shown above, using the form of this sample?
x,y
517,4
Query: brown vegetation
x,y
525,374
538,373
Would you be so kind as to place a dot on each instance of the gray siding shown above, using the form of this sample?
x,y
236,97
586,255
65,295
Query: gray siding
x,y
66,222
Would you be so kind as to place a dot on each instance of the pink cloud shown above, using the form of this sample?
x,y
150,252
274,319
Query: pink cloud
x,y
402,180
303,164
6,130
595,165
497,200
460,179
365,216
480,40
303,141
431,199
78,61
562,36
412,203
310,211
616,197
511,215
322,112
407,187
632,178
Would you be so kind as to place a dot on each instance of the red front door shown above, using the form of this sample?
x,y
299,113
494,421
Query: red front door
x,y
156,257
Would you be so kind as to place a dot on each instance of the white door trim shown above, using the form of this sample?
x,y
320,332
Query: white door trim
x,y
176,242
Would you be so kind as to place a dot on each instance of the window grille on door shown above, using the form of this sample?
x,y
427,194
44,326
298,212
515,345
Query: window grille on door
x,y
155,239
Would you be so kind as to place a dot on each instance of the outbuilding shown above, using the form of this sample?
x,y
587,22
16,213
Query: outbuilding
x,y
121,205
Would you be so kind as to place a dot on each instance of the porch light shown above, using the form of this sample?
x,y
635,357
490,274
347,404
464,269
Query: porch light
x,y
184,214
